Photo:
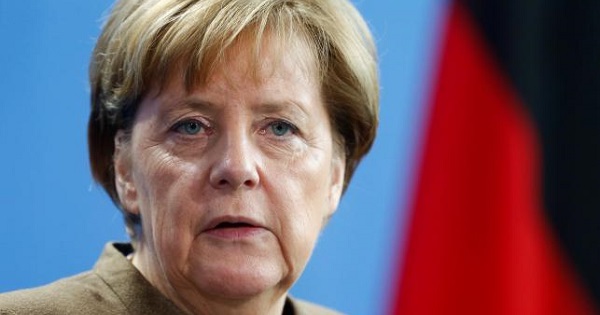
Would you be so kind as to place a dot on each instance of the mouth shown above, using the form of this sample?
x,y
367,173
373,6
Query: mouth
x,y
234,228
233,225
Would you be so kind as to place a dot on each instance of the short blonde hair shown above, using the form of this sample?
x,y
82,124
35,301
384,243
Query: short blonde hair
x,y
143,40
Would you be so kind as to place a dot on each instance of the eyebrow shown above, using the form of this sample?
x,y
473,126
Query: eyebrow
x,y
287,106
269,107
197,104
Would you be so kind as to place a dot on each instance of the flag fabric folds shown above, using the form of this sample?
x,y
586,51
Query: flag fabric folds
x,y
505,218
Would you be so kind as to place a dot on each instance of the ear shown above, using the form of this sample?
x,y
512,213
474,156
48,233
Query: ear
x,y
126,189
338,171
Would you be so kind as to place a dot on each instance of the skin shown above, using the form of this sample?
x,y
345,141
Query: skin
x,y
252,147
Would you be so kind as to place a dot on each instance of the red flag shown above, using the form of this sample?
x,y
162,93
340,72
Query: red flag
x,y
478,240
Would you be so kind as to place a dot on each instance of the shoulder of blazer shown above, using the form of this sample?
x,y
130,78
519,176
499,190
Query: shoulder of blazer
x,y
85,293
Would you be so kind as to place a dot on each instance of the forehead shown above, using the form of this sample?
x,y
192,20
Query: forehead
x,y
272,75
249,60
267,58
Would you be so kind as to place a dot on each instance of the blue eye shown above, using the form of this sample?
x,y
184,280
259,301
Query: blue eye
x,y
280,128
189,127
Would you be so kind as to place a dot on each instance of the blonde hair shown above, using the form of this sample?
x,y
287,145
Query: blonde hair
x,y
143,40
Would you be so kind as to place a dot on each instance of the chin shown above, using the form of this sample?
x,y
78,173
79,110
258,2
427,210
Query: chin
x,y
241,281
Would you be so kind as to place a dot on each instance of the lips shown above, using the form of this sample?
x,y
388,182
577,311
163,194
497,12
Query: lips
x,y
223,222
233,228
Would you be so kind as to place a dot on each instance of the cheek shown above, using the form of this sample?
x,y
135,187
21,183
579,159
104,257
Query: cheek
x,y
302,190
167,210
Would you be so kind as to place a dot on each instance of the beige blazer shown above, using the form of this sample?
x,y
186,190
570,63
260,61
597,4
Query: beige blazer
x,y
113,286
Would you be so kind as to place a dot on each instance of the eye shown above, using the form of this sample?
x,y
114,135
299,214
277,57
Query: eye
x,y
189,127
280,128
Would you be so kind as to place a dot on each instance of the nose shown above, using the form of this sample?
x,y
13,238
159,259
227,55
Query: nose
x,y
235,164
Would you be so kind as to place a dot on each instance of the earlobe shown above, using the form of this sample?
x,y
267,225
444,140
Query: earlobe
x,y
337,183
123,178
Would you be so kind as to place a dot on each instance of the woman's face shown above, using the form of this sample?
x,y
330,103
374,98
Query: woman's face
x,y
234,180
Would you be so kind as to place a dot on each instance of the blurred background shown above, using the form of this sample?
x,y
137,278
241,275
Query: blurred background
x,y
478,197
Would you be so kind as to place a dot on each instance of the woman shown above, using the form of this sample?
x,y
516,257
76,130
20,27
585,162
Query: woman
x,y
226,132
